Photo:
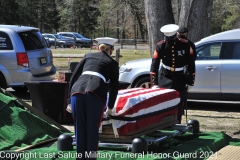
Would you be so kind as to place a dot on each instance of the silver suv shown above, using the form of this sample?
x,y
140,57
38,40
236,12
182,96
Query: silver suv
x,y
217,69
24,56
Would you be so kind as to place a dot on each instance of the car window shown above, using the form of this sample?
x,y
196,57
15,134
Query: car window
x,y
58,36
78,35
32,40
232,50
209,51
5,42
70,35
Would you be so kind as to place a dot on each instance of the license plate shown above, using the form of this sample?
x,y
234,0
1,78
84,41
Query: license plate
x,y
43,61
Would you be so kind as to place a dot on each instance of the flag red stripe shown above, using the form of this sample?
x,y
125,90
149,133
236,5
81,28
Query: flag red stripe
x,y
151,102
131,127
121,101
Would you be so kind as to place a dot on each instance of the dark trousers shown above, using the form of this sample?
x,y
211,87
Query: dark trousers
x,y
181,105
174,80
87,111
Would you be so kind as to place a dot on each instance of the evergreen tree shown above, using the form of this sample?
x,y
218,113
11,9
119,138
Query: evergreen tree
x,y
79,16
8,11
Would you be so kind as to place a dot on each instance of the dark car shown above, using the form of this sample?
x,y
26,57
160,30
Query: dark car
x,y
78,38
58,40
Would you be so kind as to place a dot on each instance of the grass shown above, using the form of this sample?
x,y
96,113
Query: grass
x,y
216,120
126,55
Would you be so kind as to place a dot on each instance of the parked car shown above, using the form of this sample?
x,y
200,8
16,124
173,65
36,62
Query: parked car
x,y
59,40
24,56
48,42
78,38
217,69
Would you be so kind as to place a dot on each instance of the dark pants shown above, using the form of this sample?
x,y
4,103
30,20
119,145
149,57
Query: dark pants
x,y
87,111
181,105
174,80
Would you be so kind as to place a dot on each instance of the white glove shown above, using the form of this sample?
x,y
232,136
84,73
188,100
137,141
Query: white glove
x,y
155,86
189,87
69,108
108,112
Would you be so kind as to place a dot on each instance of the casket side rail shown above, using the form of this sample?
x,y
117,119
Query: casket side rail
x,y
108,131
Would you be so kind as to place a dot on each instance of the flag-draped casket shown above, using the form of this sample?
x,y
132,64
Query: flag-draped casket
x,y
139,108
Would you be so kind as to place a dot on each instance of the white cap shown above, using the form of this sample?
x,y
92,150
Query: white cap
x,y
106,40
169,30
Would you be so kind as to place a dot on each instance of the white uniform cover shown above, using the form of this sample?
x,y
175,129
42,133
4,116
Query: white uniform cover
x,y
137,108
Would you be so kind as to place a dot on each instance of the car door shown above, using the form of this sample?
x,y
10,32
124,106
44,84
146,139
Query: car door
x,y
230,75
208,72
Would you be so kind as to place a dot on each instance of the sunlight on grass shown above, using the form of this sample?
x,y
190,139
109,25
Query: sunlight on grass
x,y
126,55
62,63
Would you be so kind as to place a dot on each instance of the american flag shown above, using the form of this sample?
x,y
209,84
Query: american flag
x,y
141,102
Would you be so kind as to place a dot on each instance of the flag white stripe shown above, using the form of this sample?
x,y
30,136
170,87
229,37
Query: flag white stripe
x,y
132,101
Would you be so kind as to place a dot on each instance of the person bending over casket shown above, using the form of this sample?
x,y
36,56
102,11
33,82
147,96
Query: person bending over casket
x,y
88,92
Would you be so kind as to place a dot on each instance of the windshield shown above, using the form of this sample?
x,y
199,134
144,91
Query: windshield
x,y
78,35
58,36
32,40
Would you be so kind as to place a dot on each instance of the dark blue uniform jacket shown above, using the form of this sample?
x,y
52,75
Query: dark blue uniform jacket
x,y
102,63
176,53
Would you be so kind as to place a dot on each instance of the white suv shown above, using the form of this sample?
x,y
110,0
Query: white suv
x,y
24,56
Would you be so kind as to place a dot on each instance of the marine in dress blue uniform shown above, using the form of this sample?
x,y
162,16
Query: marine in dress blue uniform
x,y
182,34
95,76
176,55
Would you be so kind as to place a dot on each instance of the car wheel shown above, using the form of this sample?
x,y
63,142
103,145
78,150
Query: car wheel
x,y
2,82
20,89
143,83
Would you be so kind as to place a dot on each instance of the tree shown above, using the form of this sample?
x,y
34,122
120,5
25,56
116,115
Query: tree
x,y
49,16
123,18
196,16
158,13
193,14
137,9
115,19
220,13
106,17
225,15
79,16
8,11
